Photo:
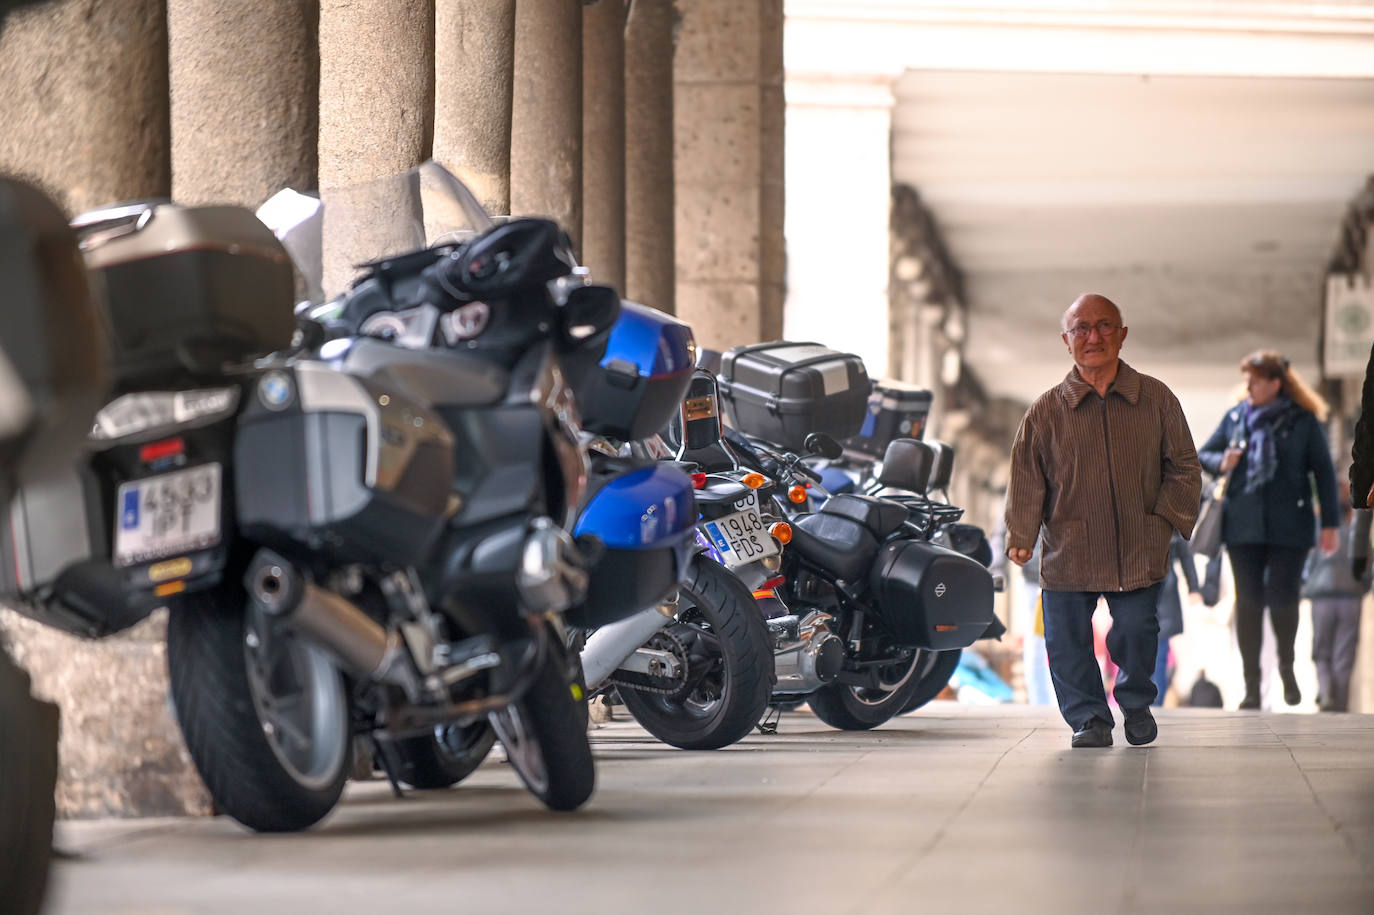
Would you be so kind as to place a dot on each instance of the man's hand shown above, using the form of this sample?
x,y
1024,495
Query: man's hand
x,y
1331,541
1230,459
1020,557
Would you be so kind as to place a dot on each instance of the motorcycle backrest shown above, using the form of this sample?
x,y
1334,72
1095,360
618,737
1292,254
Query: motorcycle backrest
x,y
907,464
942,468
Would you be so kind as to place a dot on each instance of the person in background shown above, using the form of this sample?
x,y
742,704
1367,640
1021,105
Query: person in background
x,y
1104,465
1273,440
1170,609
1337,597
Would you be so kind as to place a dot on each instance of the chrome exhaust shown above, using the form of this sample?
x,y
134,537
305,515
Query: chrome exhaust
x,y
358,642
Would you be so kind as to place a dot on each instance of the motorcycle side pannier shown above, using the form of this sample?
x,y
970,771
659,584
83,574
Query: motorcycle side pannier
x,y
189,288
638,385
330,461
928,596
53,361
895,410
643,514
782,392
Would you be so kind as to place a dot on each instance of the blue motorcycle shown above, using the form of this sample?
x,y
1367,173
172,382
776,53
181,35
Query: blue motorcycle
x,y
694,665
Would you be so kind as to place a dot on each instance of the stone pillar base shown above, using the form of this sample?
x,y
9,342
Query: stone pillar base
x,y
121,753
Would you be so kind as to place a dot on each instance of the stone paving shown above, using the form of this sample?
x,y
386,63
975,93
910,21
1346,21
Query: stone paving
x,y
952,808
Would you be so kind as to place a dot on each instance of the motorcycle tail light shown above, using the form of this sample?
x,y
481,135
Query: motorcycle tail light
x,y
797,494
776,582
782,532
763,593
698,481
157,451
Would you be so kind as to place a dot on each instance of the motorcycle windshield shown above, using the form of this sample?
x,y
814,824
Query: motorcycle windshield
x,y
334,234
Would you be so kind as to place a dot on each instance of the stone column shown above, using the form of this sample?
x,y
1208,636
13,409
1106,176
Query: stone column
x,y
603,140
84,104
474,65
245,98
650,274
376,120
546,116
84,99
728,117
376,88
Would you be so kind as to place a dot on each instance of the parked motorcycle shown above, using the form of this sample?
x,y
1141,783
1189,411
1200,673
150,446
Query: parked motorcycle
x,y
359,535
693,666
861,569
52,376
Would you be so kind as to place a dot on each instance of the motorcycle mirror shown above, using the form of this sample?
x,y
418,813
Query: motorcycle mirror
x,y
590,310
310,334
823,445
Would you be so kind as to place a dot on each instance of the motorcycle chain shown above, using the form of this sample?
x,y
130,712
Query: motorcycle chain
x,y
646,684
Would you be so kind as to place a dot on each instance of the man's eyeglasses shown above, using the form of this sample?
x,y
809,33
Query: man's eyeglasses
x,y
1103,328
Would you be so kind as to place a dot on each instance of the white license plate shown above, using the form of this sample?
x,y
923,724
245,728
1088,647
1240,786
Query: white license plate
x,y
167,514
741,537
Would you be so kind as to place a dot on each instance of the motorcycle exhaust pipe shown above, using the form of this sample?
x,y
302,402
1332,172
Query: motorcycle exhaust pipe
x,y
609,646
360,643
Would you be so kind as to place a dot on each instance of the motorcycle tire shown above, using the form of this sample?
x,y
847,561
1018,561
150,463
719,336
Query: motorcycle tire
x,y
935,674
28,777
226,666
851,708
739,696
444,758
545,737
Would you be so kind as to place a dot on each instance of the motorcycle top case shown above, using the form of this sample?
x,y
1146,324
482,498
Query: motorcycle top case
x,y
341,465
782,392
53,377
638,385
189,289
644,516
929,596
894,410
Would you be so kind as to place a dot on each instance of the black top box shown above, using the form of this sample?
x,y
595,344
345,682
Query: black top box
x,y
895,410
781,392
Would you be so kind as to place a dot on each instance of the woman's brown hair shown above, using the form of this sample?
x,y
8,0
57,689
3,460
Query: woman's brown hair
x,y
1271,364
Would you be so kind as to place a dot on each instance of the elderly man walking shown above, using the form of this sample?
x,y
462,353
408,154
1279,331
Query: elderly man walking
x,y
1104,462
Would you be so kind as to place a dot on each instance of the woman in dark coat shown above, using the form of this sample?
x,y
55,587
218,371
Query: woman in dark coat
x,y
1274,441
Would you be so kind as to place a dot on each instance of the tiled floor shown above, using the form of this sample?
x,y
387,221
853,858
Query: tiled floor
x,y
952,809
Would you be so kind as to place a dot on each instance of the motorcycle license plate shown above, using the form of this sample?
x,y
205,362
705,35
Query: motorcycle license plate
x,y
741,537
167,514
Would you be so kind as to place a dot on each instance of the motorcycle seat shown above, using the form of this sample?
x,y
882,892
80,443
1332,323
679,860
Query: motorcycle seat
x,y
836,543
879,516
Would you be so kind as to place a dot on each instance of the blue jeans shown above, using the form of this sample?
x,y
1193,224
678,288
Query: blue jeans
x,y
1133,643
1161,675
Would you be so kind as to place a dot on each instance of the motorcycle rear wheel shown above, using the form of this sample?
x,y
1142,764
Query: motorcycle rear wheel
x,y
724,710
934,677
853,708
545,737
264,714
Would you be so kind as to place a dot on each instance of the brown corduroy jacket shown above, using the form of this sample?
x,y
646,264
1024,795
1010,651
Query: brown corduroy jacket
x,y
1109,479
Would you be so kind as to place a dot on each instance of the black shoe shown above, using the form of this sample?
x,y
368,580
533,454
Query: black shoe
x,y
1096,733
1291,694
1139,726
1252,696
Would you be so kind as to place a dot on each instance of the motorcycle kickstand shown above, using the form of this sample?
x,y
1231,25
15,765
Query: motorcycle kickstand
x,y
383,754
771,717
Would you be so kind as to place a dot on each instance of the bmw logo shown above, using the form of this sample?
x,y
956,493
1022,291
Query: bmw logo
x,y
275,390
940,589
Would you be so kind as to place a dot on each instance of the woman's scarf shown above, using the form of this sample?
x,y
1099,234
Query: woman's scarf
x,y
1261,454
